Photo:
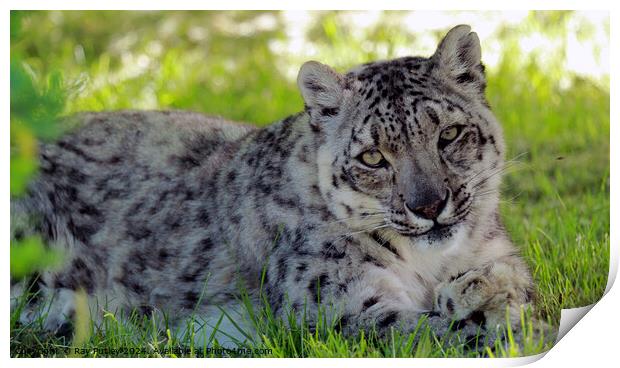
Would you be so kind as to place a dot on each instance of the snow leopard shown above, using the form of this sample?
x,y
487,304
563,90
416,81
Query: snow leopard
x,y
378,201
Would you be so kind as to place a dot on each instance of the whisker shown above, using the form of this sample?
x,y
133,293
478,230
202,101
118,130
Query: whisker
x,y
507,164
350,219
492,174
511,199
357,217
373,209
344,236
487,192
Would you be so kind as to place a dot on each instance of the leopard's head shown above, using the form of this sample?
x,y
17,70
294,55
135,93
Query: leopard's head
x,y
409,146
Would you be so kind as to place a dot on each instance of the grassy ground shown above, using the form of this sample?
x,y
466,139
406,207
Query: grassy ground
x,y
556,199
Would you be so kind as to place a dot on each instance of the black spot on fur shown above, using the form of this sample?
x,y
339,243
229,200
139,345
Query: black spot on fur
x,y
370,259
329,111
323,280
315,284
163,255
75,176
206,245
301,269
388,320
432,114
313,86
385,244
65,331
315,128
232,175
343,322
335,181
76,150
472,283
82,232
530,295
184,162
190,298
450,305
370,302
374,133
190,275
478,318
82,275
457,276
282,268
138,233
114,160
145,310
466,78
330,251
431,314
347,209
374,103
313,290
130,282
481,138
203,216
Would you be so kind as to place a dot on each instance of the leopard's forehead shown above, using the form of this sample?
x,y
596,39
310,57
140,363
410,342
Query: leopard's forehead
x,y
412,73
392,84
400,101
384,69
395,78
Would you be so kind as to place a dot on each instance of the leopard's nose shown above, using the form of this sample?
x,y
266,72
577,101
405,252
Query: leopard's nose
x,y
428,206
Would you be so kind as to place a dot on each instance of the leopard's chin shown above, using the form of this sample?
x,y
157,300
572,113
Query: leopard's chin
x,y
439,232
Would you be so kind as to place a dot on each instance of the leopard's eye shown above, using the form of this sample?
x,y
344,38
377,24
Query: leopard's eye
x,y
372,158
449,134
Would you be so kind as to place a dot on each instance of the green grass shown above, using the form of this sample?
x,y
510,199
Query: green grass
x,y
141,336
557,206
556,200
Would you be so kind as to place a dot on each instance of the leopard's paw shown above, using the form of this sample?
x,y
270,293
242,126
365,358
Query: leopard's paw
x,y
472,297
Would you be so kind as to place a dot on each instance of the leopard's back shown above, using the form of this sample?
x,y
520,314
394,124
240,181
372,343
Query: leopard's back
x,y
111,160
123,195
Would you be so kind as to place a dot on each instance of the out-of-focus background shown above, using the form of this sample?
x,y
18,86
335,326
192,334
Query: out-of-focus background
x,y
548,83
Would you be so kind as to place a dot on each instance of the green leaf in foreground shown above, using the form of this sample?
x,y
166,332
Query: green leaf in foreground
x,y
30,255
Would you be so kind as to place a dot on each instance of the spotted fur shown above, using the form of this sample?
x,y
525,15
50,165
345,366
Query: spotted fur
x,y
177,211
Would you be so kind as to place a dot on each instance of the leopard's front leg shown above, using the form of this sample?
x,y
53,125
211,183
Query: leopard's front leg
x,y
484,295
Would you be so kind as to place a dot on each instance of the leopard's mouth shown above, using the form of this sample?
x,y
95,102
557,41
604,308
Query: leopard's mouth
x,y
441,227
437,230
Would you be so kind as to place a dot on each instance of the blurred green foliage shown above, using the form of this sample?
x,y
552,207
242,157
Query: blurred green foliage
x,y
35,108
242,65
30,254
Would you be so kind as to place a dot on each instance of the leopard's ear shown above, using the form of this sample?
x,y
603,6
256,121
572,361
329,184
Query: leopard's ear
x,y
322,89
457,59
